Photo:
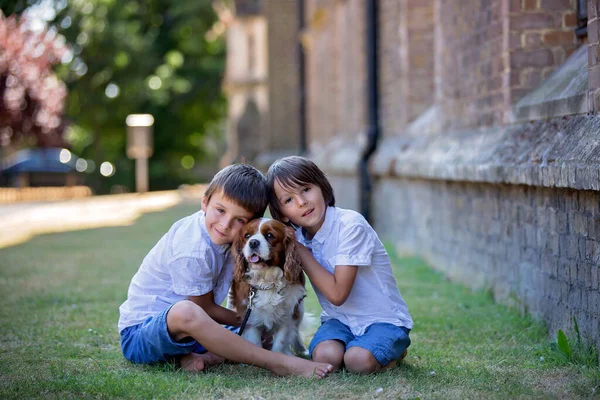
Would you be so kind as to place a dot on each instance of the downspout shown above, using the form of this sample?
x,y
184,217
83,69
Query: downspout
x,y
301,81
366,183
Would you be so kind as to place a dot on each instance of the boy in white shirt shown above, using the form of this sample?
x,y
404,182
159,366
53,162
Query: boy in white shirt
x,y
365,322
173,306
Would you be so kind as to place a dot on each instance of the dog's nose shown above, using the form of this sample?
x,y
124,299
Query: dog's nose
x,y
254,243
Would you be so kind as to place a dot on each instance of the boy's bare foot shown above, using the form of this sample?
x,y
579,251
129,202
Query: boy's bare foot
x,y
194,362
403,356
301,367
391,364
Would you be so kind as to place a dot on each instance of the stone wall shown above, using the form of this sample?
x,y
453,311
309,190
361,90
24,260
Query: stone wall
x,y
536,248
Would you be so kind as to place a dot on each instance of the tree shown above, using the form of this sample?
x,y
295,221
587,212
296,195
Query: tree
x,y
31,95
160,57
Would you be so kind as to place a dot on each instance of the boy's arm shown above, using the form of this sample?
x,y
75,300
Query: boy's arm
x,y
335,287
220,314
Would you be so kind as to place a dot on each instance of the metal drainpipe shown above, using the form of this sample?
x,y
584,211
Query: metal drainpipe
x,y
582,18
372,110
302,81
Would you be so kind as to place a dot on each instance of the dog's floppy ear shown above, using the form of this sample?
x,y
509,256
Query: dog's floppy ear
x,y
239,268
292,268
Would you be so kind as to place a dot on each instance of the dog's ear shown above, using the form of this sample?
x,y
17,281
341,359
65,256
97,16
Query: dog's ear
x,y
239,268
292,268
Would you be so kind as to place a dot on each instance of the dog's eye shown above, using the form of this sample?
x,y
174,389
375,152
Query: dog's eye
x,y
270,235
247,235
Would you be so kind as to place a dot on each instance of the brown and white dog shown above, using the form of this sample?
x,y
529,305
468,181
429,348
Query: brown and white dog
x,y
266,261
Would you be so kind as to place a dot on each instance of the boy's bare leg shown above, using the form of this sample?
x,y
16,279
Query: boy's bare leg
x,y
360,361
330,351
186,319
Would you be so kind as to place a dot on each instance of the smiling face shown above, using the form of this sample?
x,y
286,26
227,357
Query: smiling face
x,y
303,205
224,218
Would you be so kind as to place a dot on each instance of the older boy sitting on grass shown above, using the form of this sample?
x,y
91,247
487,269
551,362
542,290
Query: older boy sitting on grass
x,y
173,307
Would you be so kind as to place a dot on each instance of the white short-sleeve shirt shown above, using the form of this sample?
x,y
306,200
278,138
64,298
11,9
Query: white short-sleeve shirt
x,y
184,262
346,238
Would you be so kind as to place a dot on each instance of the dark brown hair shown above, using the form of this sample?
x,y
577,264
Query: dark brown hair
x,y
242,184
292,172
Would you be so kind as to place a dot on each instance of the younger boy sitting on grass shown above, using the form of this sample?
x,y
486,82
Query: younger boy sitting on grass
x,y
173,311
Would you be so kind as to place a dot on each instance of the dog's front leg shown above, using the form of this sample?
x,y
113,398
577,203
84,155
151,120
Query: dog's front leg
x,y
253,335
281,342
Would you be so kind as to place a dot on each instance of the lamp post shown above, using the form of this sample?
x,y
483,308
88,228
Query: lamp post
x,y
140,147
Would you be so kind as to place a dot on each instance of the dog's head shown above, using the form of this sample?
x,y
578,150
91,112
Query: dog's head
x,y
266,243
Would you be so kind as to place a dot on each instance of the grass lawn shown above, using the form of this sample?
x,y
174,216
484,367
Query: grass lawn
x,y
59,311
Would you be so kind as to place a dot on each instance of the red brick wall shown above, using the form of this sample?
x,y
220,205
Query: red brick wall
x,y
335,68
406,54
493,51
541,35
474,58
284,101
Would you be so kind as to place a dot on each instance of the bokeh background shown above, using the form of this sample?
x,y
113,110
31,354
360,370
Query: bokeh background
x,y
71,72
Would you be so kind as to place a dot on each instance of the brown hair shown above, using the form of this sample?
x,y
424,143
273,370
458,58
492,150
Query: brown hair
x,y
296,171
242,184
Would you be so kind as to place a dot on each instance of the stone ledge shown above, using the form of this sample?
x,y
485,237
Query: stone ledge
x,y
561,152
563,93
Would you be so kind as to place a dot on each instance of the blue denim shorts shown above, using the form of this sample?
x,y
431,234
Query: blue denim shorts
x,y
385,341
150,341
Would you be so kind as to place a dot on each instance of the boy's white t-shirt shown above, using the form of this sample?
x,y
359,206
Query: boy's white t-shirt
x,y
184,262
346,238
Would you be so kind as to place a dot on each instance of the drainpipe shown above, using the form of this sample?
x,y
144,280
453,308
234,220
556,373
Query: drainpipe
x,y
372,110
582,19
302,81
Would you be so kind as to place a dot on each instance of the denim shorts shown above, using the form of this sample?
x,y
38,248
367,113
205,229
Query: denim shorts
x,y
385,341
150,341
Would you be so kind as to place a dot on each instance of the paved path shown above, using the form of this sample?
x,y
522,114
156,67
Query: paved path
x,y
19,222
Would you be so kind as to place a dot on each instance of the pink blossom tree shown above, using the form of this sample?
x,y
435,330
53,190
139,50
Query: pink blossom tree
x,y
31,95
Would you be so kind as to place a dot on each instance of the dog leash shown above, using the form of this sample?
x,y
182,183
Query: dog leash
x,y
248,311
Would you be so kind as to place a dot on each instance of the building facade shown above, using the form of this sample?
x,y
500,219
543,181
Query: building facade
x,y
483,114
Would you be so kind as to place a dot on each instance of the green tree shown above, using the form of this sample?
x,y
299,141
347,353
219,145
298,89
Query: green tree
x,y
160,57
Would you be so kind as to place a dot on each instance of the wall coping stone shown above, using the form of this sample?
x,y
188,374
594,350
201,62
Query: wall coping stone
x,y
559,152
564,92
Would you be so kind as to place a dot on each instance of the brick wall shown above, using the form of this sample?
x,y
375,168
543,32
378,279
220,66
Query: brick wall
x,y
540,36
494,51
594,56
406,53
335,69
284,100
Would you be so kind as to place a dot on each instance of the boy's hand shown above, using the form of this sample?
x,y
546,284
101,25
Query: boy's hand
x,y
335,286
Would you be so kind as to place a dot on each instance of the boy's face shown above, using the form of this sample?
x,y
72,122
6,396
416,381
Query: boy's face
x,y
303,205
224,218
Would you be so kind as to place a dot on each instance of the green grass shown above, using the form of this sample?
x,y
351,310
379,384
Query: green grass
x,y
59,310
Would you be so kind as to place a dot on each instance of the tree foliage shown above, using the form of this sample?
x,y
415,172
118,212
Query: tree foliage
x,y
31,95
157,57
160,57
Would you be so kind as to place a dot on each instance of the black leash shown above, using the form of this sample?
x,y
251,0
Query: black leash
x,y
248,311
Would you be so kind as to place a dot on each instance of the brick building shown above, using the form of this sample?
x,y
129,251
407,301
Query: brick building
x,y
483,117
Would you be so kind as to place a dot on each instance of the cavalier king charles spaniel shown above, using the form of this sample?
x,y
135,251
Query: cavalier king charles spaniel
x,y
268,275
